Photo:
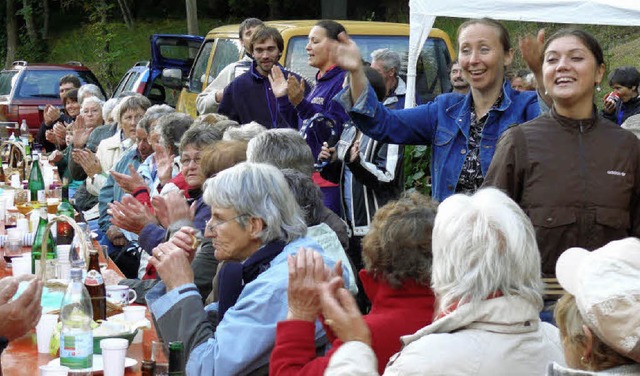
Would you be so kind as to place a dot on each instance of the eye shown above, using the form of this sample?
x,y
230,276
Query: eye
x,y
551,60
485,50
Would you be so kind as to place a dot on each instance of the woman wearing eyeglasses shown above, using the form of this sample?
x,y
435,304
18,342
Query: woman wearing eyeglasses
x,y
256,221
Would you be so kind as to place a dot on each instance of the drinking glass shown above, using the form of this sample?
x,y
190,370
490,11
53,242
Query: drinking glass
x,y
159,355
103,259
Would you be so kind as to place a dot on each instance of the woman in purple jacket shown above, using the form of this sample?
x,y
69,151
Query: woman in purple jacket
x,y
329,80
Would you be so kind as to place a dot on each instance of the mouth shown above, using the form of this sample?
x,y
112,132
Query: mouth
x,y
475,73
564,80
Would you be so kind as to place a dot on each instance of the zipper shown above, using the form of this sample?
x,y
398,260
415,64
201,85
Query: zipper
x,y
583,175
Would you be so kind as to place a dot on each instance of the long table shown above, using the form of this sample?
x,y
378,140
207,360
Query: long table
x,y
21,357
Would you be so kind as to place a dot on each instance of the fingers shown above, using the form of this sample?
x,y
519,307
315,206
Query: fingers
x,y
347,301
9,290
318,267
337,269
541,36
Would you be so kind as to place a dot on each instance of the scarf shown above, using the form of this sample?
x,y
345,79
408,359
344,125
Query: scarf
x,y
235,275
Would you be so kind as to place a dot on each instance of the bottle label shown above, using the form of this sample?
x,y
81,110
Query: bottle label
x,y
42,196
93,278
76,351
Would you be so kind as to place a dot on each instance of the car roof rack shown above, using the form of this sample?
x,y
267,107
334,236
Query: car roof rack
x,y
142,63
73,62
20,63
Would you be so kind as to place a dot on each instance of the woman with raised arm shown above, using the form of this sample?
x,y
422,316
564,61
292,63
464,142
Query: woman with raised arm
x,y
461,129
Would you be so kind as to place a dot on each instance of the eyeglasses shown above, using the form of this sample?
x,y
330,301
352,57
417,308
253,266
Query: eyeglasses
x,y
213,224
186,160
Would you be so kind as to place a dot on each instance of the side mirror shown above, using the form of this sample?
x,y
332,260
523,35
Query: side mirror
x,y
172,78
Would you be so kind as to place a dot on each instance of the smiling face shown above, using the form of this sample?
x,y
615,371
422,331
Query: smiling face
x,y
457,80
482,57
570,73
190,161
231,241
72,108
266,54
318,49
129,120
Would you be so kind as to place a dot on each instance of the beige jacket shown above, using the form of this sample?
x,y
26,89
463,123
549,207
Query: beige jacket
x,y
108,153
500,336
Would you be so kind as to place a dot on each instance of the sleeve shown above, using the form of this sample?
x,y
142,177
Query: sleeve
x,y
412,126
332,172
150,236
226,106
382,170
355,359
205,266
206,101
42,139
506,169
634,207
295,352
104,198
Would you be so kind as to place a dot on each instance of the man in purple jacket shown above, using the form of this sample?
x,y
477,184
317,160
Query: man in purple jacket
x,y
249,97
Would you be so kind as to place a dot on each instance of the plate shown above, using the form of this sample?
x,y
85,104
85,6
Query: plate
x,y
97,363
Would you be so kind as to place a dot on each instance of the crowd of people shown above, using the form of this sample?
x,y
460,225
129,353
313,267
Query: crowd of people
x,y
272,236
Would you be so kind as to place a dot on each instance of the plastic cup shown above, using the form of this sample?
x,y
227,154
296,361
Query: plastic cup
x,y
113,354
44,330
54,370
21,266
134,313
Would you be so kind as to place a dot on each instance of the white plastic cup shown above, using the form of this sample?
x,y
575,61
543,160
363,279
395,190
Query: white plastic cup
x,y
21,266
23,225
48,370
134,313
44,330
113,354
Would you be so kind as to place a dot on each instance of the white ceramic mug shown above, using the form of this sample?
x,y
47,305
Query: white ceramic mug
x,y
121,294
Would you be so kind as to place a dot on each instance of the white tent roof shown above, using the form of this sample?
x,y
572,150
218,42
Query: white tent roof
x,y
599,12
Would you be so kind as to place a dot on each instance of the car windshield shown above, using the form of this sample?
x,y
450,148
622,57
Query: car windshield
x,y
431,69
46,83
6,81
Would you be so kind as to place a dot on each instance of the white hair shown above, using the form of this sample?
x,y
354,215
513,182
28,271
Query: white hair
x,y
483,244
258,190
283,148
89,90
107,108
245,132
388,58
94,100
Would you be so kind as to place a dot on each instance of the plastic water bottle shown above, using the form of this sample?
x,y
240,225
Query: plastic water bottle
x,y
76,337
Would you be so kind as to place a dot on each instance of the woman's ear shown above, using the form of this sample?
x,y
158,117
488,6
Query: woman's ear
x,y
588,344
508,57
599,74
256,225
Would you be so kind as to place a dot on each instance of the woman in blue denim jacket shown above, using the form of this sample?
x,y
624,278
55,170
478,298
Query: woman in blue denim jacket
x,y
461,129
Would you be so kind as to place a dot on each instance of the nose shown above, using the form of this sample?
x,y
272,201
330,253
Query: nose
x,y
474,57
308,46
563,63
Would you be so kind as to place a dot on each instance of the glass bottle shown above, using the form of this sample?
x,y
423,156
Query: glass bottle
x,y
36,249
176,358
36,183
76,337
64,231
95,285
3,177
148,368
25,137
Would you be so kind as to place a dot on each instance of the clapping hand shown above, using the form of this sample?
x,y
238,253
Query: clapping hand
x,y
278,82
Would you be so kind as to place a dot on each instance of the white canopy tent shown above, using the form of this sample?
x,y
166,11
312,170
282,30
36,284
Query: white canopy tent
x,y
424,12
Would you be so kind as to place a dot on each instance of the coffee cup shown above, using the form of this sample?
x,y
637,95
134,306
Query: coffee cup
x,y
121,294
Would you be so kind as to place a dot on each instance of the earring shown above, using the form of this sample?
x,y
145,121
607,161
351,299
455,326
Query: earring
x,y
598,88
546,92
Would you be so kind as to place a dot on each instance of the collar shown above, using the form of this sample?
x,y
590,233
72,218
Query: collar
x,y
454,111
506,314
381,294
575,125
256,75
333,71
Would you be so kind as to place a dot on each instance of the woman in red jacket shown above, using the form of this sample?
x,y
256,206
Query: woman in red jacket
x,y
397,259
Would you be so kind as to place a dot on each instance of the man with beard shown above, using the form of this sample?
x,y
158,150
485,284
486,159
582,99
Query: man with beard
x,y
207,102
249,97
459,84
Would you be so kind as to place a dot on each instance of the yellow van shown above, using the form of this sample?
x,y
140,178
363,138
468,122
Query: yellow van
x,y
222,47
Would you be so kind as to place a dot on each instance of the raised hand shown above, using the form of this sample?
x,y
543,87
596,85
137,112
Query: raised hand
x,y
346,54
130,214
306,271
50,114
172,265
186,239
278,82
131,182
341,313
296,90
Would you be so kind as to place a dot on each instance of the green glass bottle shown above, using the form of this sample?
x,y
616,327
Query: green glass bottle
x,y
176,359
36,183
64,230
36,249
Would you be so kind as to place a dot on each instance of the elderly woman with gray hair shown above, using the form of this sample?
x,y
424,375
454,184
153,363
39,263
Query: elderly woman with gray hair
x,y
486,278
255,220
